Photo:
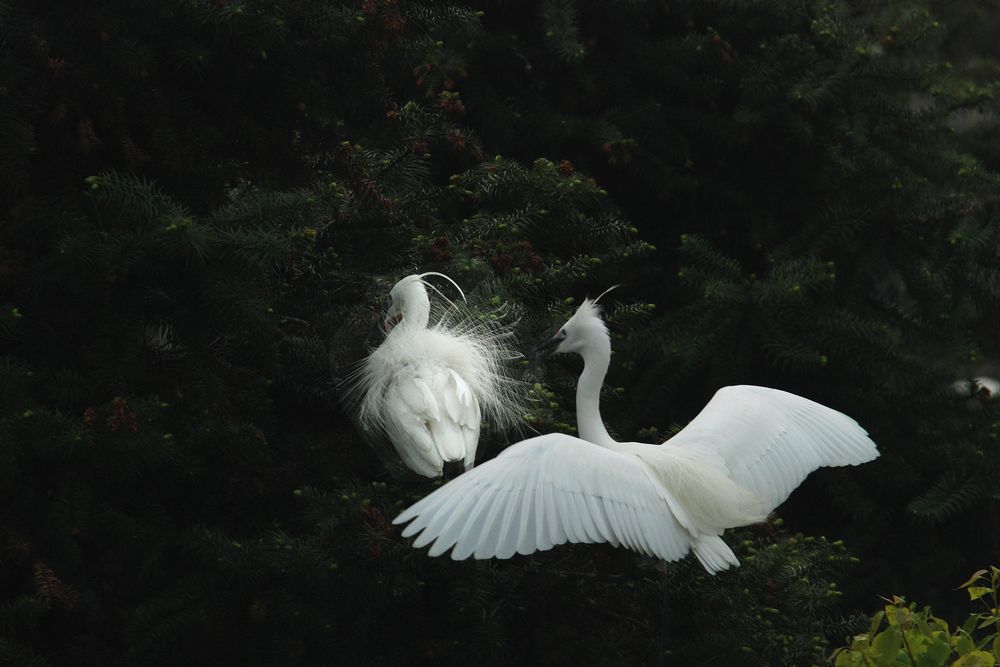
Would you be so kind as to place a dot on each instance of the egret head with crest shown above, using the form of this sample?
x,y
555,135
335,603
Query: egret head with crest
x,y
584,332
409,302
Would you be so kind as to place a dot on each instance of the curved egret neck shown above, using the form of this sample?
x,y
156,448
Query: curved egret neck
x,y
416,308
596,358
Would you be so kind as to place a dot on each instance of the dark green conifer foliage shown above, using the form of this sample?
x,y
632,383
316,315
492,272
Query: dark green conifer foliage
x,y
206,203
181,485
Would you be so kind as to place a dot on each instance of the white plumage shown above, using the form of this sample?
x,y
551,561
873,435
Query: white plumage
x,y
556,488
731,466
427,387
983,385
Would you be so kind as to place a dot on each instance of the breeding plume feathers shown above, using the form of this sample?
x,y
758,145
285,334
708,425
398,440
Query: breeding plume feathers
x,y
429,386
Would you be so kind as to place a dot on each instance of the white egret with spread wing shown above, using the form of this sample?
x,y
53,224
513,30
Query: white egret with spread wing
x,y
427,386
731,466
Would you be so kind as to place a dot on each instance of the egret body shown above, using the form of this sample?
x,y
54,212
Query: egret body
x,y
427,386
731,466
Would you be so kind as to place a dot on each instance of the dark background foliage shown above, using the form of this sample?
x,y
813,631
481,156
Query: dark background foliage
x,y
205,203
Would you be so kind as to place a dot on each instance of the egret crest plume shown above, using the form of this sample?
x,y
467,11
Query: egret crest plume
x,y
435,273
601,295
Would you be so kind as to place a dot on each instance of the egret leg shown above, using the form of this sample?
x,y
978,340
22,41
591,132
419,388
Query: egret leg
x,y
452,469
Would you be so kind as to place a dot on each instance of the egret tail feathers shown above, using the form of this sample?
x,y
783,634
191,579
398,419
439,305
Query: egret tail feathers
x,y
714,554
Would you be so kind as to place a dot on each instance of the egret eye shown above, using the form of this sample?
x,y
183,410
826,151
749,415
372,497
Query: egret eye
x,y
560,335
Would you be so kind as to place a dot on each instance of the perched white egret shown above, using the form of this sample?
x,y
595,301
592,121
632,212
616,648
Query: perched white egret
x,y
983,385
731,466
427,387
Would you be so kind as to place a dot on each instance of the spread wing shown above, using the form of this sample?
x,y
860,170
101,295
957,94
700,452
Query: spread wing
x,y
432,416
768,440
545,491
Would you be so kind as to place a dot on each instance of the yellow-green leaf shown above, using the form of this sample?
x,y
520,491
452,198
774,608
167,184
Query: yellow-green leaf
x,y
887,644
845,658
936,653
974,659
963,643
876,622
976,592
974,578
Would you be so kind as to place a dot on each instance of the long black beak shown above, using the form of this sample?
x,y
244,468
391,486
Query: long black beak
x,y
546,348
